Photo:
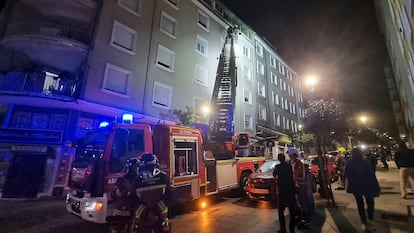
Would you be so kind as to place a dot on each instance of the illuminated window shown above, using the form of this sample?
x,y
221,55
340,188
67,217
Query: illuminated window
x,y
116,79
162,95
124,38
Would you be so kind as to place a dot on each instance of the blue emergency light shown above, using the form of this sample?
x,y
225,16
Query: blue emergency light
x,y
127,118
103,124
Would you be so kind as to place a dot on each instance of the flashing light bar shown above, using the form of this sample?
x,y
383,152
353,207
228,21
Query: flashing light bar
x,y
103,124
127,118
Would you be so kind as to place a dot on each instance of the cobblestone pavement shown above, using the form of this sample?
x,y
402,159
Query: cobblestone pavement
x,y
229,214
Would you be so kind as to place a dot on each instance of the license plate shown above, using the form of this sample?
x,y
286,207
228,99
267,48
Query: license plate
x,y
261,191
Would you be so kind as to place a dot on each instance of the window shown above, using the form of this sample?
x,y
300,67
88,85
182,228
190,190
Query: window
x,y
247,97
133,6
284,86
248,122
280,84
276,119
284,122
202,46
262,113
246,51
203,20
293,108
275,98
165,58
259,50
161,96
201,75
116,79
273,78
168,25
185,157
173,3
272,61
247,73
260,68
261,89
123,38
281,68
283,102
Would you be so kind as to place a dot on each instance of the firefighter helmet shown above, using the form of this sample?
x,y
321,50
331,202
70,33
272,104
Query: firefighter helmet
x,y
149,162
132,165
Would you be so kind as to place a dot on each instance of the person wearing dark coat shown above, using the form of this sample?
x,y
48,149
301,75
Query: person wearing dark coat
x,y
363,183
286,193
404,159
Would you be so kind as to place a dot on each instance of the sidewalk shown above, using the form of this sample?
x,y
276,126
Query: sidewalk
x,y
392,214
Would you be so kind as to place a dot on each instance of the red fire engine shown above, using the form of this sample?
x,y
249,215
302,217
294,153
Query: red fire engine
x,y
223,164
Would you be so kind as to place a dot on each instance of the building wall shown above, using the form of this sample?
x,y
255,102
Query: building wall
x,y
396,19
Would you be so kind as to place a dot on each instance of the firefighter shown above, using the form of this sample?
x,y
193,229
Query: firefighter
x,y
125,199
153,190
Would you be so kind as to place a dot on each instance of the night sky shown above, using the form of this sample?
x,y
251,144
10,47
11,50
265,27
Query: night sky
x,y
337,41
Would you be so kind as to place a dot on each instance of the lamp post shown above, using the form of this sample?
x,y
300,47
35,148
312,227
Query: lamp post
x,y
324,182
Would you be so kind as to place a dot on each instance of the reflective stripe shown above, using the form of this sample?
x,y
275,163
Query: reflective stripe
x,y
163,207
139,211
118,212
160,186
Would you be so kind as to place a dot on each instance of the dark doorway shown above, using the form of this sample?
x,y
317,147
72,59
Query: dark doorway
x,y
25,175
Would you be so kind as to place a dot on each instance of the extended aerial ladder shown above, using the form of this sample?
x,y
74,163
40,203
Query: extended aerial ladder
x,y
221,122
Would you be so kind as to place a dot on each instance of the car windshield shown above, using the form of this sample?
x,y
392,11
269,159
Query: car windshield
x,y
268,166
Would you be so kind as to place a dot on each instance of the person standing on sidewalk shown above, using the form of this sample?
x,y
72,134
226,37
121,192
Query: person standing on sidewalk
x,y
363,183
404,159
286,193
302,180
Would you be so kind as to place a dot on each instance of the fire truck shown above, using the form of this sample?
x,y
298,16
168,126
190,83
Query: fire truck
x,y
198,164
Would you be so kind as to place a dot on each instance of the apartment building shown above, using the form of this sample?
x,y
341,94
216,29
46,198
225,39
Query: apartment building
x,y
68,65
396,22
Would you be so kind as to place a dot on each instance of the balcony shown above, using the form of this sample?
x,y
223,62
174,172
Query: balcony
x,y
48,29
40,85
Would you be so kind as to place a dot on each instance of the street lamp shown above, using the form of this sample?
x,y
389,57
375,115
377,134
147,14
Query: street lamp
x,y
363,119
311,82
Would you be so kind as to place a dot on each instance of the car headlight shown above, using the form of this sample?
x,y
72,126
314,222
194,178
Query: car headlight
x,y
93,205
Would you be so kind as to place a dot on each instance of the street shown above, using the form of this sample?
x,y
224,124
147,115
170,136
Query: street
x,y
228,214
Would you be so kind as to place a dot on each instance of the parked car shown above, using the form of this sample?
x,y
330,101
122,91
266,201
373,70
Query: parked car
x,y
261,184
313,161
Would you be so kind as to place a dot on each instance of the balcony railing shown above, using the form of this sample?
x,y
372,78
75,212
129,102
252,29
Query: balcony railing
x,y
39,84
48,29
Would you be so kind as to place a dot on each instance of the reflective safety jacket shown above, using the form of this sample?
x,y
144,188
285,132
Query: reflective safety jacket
x,y
153,194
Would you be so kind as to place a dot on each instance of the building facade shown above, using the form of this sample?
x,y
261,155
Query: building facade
x,y
68,65
396,22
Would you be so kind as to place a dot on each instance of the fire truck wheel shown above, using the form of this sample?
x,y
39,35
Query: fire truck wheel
x,y
243,182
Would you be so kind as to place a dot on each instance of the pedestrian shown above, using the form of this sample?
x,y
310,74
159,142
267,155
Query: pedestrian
x,y
383,158
404,159
303,186
285,194
363,183
340,168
